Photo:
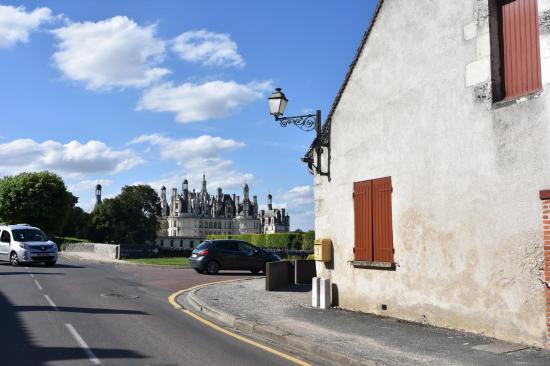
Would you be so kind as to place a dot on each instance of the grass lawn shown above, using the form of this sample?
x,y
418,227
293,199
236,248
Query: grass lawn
x,y
172,261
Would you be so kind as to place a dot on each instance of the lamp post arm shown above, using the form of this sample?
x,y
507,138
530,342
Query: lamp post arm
x,y
305,122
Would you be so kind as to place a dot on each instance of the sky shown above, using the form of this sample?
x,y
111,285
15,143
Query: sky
x,y
151,92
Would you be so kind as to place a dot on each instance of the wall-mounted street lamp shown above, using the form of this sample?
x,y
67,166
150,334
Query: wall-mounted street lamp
x,y
307,122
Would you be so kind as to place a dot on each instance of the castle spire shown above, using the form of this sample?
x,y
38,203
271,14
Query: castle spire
x,y
203,187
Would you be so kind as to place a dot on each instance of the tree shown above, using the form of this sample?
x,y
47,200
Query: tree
x,y
130,217
78,224
39,199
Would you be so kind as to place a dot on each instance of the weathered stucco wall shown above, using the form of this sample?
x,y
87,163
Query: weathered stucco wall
x,y
466,176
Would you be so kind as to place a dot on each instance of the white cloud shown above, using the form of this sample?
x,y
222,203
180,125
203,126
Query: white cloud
x,y
73,159
196,156
184,150
199,102
115,52
88,185
299,196
208,48
16,24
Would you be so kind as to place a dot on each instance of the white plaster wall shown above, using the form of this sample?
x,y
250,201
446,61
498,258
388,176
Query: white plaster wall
x,y
466,214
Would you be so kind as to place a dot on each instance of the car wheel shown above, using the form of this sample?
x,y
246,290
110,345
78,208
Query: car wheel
x,y
212,267
49,263
14,260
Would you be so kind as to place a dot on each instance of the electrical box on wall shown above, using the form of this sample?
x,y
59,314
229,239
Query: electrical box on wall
x,y
322,249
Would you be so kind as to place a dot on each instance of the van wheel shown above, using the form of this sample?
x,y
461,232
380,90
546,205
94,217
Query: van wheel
x,y
14,260
212,267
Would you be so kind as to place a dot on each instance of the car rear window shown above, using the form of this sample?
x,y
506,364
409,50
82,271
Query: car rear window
x,y
204,245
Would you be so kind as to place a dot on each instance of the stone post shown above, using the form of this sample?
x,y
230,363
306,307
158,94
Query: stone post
x,y
545,197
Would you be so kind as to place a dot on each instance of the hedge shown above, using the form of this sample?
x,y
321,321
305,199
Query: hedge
x,y
297,241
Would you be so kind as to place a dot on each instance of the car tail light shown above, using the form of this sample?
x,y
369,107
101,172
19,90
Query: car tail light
x,y
203,252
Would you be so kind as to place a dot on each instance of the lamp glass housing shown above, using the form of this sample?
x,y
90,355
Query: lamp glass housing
x,y
277,103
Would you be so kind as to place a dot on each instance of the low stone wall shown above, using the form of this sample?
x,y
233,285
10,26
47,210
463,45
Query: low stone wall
x,y
285,273
109,251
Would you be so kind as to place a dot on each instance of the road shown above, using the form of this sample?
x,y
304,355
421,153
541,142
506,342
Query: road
x,y
80,313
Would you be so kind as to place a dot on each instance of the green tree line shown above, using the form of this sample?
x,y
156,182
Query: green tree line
x,y
293,240
41,199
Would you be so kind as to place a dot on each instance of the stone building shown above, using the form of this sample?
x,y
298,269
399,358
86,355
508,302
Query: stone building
x,y
437,145
274,220
191,216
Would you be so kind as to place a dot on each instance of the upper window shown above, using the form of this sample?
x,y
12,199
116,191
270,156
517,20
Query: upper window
x,y
373,220
516,48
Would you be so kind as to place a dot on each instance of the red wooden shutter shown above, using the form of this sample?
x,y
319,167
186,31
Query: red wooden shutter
x,y
382,220
362,202
520,47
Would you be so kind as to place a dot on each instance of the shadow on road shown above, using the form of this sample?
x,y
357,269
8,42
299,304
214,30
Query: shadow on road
x,y
27,273
16,341
39,265
70,309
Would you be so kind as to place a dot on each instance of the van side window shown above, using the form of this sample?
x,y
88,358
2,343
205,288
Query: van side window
x,y
5,237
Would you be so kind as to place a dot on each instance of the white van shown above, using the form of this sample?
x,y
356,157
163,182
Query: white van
x,y
26,244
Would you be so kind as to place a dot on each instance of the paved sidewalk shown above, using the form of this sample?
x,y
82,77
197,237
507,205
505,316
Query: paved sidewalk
x,y
343,337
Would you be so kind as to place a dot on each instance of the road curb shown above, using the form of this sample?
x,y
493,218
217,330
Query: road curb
x,y
280,336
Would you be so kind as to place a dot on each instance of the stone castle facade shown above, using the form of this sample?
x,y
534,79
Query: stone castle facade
x,y
191,216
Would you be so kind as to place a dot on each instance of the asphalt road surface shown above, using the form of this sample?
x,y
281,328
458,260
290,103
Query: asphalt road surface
x,y
81,313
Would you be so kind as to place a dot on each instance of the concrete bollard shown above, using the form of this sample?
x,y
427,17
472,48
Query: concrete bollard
x,y
315,292
324,293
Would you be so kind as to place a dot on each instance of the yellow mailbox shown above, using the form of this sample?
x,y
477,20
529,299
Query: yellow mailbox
x,y
322,249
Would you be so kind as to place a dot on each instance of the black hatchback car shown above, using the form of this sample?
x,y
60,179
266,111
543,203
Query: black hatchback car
x,y
212,255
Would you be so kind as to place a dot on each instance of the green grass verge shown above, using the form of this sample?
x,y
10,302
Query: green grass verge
x,y
173,261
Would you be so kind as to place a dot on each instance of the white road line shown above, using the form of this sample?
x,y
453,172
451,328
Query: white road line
x,y
82,344
38,285
52,304
26,268
32,276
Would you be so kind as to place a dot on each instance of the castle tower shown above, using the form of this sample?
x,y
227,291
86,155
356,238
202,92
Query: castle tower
x,y
164,211
185,186
97,196
269,202
203,186
245,192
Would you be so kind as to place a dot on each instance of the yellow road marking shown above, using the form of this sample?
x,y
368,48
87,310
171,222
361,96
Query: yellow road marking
x,y
172,300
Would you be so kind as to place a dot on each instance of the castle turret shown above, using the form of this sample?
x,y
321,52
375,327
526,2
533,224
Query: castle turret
x,y
203,184
164,210
98,194
269,202
245,192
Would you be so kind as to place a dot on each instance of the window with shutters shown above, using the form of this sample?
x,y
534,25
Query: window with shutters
x,y
373,220
515,48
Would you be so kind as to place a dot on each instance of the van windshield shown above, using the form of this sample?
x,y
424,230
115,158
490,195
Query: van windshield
x,y
28,235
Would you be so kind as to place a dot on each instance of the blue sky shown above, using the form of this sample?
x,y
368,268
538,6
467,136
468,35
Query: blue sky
x,y
125,92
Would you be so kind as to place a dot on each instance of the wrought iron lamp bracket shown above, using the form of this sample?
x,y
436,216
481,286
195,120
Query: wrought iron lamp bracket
x,y
306,122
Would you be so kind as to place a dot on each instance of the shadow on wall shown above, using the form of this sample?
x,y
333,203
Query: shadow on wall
x,y
16,337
